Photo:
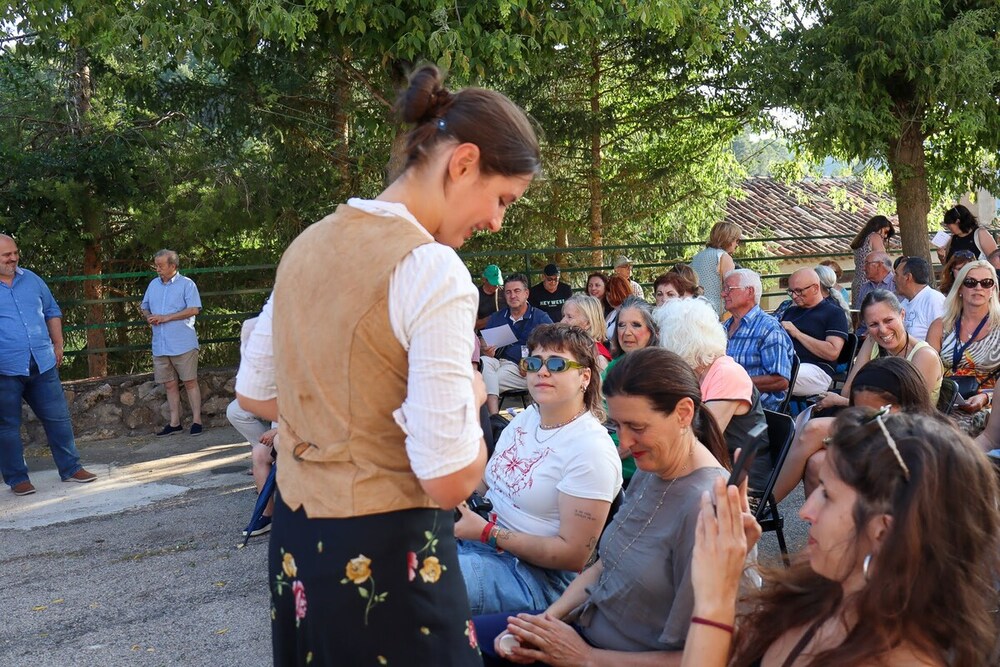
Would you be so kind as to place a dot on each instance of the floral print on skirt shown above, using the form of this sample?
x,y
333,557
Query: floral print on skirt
x,y
384,589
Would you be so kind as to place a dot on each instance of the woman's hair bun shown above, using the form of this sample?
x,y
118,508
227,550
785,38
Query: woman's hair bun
x,y
425,98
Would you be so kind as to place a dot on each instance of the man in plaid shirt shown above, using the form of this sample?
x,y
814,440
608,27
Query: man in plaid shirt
x,y
757,340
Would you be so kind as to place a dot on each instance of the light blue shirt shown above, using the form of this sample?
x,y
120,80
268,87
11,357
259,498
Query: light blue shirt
x,y
166,298
25,306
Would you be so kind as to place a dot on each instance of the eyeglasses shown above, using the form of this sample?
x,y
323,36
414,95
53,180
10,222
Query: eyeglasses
x,y
985,283
552,364
801,291
727,289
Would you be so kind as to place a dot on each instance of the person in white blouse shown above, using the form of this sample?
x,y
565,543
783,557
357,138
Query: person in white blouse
x,y
922,303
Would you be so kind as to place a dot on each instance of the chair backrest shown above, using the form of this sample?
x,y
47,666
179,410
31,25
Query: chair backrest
x,y
948,398
849,351
783,407
780,429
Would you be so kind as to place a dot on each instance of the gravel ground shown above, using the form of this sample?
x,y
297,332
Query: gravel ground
x,y
142,568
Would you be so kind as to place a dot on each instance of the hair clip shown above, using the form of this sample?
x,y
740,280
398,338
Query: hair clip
x,y
441,124
884,412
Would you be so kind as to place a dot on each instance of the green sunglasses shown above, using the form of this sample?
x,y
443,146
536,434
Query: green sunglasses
x,y
552,364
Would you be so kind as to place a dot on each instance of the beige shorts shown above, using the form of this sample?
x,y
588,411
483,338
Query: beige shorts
x,y
169,368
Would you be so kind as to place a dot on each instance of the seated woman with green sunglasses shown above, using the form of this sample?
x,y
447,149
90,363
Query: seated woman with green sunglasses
x,y
551,480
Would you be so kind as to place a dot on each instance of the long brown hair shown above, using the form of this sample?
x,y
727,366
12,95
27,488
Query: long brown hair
x,y
874,224
664,379
932,581
618,289
579,344
507,142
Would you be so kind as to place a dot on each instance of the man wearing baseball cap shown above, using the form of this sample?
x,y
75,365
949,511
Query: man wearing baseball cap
x,y
490,295
623,268
550,294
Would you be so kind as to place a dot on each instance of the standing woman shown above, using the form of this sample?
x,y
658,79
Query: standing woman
x,y
584,311
966,234
873,237
378,439
715,261
619,290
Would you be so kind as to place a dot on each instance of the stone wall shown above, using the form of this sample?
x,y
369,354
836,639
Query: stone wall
x,y
129,405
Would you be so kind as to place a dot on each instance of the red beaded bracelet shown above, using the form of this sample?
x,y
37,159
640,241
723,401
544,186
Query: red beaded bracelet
x,y
713,624
484,537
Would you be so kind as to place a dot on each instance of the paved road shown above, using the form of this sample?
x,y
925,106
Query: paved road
x,y
141,567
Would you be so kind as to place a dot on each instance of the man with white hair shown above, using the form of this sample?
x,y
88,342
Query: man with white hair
x,y
757,341
879,275
818,328
170,305
623,269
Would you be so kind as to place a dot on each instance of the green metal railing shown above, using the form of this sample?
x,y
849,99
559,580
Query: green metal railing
x,y
231,294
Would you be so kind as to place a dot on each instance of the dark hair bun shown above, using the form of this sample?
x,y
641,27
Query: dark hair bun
x,y
425,98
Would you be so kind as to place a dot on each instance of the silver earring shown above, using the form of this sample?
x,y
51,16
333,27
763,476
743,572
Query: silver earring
x,y
865,564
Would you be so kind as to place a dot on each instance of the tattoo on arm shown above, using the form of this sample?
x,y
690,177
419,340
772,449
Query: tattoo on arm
x,y
503,535
581,514
591,545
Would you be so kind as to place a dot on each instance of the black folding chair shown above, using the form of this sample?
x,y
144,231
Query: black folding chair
x,y
783,406
780,430
847,354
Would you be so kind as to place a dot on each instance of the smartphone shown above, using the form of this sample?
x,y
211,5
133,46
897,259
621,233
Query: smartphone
x,y
747,456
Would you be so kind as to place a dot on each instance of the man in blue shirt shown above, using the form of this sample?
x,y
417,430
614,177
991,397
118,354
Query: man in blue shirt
x,y
757,341
878,275
31,348
500,366
170,305
818,328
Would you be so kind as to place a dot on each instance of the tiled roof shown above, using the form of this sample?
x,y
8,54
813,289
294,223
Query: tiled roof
x,y
809,208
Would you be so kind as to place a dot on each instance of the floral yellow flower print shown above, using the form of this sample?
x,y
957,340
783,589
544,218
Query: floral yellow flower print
x,y
359,569
431,570
288,565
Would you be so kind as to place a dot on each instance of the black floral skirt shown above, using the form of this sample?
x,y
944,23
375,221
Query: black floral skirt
x,y
375,590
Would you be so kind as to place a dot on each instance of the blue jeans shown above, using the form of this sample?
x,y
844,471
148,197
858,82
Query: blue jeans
x,y
44,395
499,582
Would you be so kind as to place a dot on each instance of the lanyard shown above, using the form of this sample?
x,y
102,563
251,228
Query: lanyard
x,y
960,349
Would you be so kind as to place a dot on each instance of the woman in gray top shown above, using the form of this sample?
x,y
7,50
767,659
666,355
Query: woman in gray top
x,y
637,598
715,260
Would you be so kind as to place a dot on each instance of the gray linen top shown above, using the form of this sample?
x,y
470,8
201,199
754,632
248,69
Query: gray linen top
x,y
643,600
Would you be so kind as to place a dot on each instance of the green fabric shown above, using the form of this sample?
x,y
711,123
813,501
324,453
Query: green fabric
x,y
628,464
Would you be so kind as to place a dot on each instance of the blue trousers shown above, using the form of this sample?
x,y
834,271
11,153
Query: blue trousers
x,y
44,394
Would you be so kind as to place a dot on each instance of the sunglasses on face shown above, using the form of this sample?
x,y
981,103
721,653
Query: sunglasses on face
x,y
552,364
985,283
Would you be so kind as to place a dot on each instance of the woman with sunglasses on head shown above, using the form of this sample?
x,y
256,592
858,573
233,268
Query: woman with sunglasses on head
x,y
900,568
873,237
891,381
551,480
966,234
633,605
968,339
379,441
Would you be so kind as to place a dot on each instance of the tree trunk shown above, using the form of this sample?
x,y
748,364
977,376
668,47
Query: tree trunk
x,y
909,184
97,363
562,241
594,176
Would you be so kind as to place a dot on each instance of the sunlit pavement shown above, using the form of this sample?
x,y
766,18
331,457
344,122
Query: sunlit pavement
x,y
142,566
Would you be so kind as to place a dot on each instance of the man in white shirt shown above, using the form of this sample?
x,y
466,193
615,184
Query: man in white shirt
x,y
921,303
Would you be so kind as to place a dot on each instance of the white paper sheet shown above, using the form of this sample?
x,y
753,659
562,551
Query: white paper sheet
x,y
941,239
499,336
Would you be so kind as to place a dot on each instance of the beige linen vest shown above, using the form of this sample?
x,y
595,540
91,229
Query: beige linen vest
x,y
340,370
